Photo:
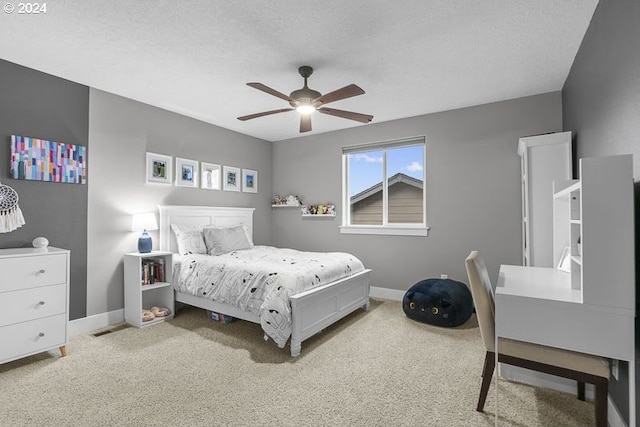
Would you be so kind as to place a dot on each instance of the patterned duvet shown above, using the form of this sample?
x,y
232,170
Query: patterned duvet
x,y
260,280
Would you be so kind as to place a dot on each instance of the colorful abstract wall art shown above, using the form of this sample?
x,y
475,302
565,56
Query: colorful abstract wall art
x,y
42,160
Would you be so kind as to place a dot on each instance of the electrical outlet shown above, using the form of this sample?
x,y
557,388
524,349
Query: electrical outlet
x,y
444,276
614,369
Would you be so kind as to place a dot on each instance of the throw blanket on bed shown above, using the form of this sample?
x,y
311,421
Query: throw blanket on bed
x,y
260,280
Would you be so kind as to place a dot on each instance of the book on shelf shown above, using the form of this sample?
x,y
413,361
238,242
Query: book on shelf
x,y
153,271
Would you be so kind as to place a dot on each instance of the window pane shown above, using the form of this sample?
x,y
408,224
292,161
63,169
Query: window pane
x,y
365,187
405,180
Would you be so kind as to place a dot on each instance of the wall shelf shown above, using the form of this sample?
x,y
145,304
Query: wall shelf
x,y
322,210
333,215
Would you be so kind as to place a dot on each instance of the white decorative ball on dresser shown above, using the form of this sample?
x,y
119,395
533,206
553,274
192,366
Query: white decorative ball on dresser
x,y
40,242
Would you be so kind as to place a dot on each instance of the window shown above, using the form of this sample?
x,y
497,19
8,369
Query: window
x,y
383,188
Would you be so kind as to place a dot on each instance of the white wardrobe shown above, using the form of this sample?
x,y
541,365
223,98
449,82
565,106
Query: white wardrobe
x,y
544,159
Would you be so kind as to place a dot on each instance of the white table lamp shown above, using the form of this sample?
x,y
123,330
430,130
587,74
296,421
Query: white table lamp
x,y
144,222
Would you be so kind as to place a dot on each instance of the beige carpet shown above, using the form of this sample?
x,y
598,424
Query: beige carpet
x,y
372,369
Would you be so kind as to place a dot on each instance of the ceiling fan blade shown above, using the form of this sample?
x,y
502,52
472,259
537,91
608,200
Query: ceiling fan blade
x,y
265,113
337,95
305,122
364,118
270,91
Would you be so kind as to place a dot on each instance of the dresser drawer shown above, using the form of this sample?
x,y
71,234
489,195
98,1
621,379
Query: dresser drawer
x,y
22,339
33,303
32,271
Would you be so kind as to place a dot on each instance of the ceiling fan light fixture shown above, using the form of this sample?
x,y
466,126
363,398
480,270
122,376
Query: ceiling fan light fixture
x,y
306,101
305,109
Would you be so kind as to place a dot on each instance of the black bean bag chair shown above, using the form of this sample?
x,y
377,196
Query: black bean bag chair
x,y
440,302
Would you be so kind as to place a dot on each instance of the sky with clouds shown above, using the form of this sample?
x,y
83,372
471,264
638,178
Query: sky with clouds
x,y
365,169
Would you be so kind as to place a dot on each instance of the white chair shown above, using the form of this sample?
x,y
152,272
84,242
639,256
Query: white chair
x,y
583,368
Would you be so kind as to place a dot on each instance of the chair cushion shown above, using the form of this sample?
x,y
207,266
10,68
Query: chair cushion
x,y
582,362
441,302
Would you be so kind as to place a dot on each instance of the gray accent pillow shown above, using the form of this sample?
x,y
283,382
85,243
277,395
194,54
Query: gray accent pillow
x,y
220,240
190,239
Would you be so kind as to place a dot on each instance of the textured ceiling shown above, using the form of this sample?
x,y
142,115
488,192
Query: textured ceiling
x,y
410,57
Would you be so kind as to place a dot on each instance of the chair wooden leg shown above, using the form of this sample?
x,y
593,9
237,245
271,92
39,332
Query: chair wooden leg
x,y
487,373
580,390
602,391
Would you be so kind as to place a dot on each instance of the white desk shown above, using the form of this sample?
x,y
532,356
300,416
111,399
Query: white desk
x,y
537,305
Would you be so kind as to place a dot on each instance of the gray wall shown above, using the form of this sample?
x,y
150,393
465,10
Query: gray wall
x,y
473,190
43,106
601,104
121,131
601,97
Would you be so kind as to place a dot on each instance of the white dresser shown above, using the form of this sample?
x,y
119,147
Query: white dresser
x,y
34,301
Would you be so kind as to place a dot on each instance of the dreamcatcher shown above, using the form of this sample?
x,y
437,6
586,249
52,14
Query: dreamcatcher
x,y
10,213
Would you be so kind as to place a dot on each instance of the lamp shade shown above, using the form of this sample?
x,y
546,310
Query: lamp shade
x,y
144,221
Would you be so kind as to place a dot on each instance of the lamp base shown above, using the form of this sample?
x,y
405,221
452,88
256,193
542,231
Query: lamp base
x,y
144,243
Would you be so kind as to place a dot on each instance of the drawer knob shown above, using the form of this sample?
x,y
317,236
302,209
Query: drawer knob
x,y
41,334
41,303
41,271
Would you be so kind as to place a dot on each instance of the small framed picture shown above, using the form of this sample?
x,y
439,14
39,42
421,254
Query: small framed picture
x,y
159,169
186,173
230,178
209,176
565,260
249,181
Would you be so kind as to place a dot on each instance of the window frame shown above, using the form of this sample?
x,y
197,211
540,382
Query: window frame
x,y
386,228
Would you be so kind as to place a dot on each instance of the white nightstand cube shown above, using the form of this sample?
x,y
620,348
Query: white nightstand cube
x,y
147,283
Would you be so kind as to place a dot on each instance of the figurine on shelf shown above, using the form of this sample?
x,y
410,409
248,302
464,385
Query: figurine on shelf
x,y
293,200
277,200
324,209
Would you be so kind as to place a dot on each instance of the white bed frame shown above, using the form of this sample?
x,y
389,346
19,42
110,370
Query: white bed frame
x,y
311,311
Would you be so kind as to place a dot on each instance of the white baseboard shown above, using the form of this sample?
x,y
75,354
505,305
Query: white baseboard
x,y
614,418
386,293
97,321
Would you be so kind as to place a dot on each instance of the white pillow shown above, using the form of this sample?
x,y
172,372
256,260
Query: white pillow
x,y
190,239
220,240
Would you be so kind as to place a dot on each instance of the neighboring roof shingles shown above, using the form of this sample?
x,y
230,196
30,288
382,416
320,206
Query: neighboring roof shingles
x,y
399,177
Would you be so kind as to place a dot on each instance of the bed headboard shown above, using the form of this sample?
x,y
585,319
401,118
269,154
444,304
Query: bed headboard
x,y
199,216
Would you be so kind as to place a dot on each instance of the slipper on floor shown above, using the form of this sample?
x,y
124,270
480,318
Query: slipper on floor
x,y
147,315
160,311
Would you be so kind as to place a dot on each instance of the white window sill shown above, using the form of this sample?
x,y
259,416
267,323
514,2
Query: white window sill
x,y
385,230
